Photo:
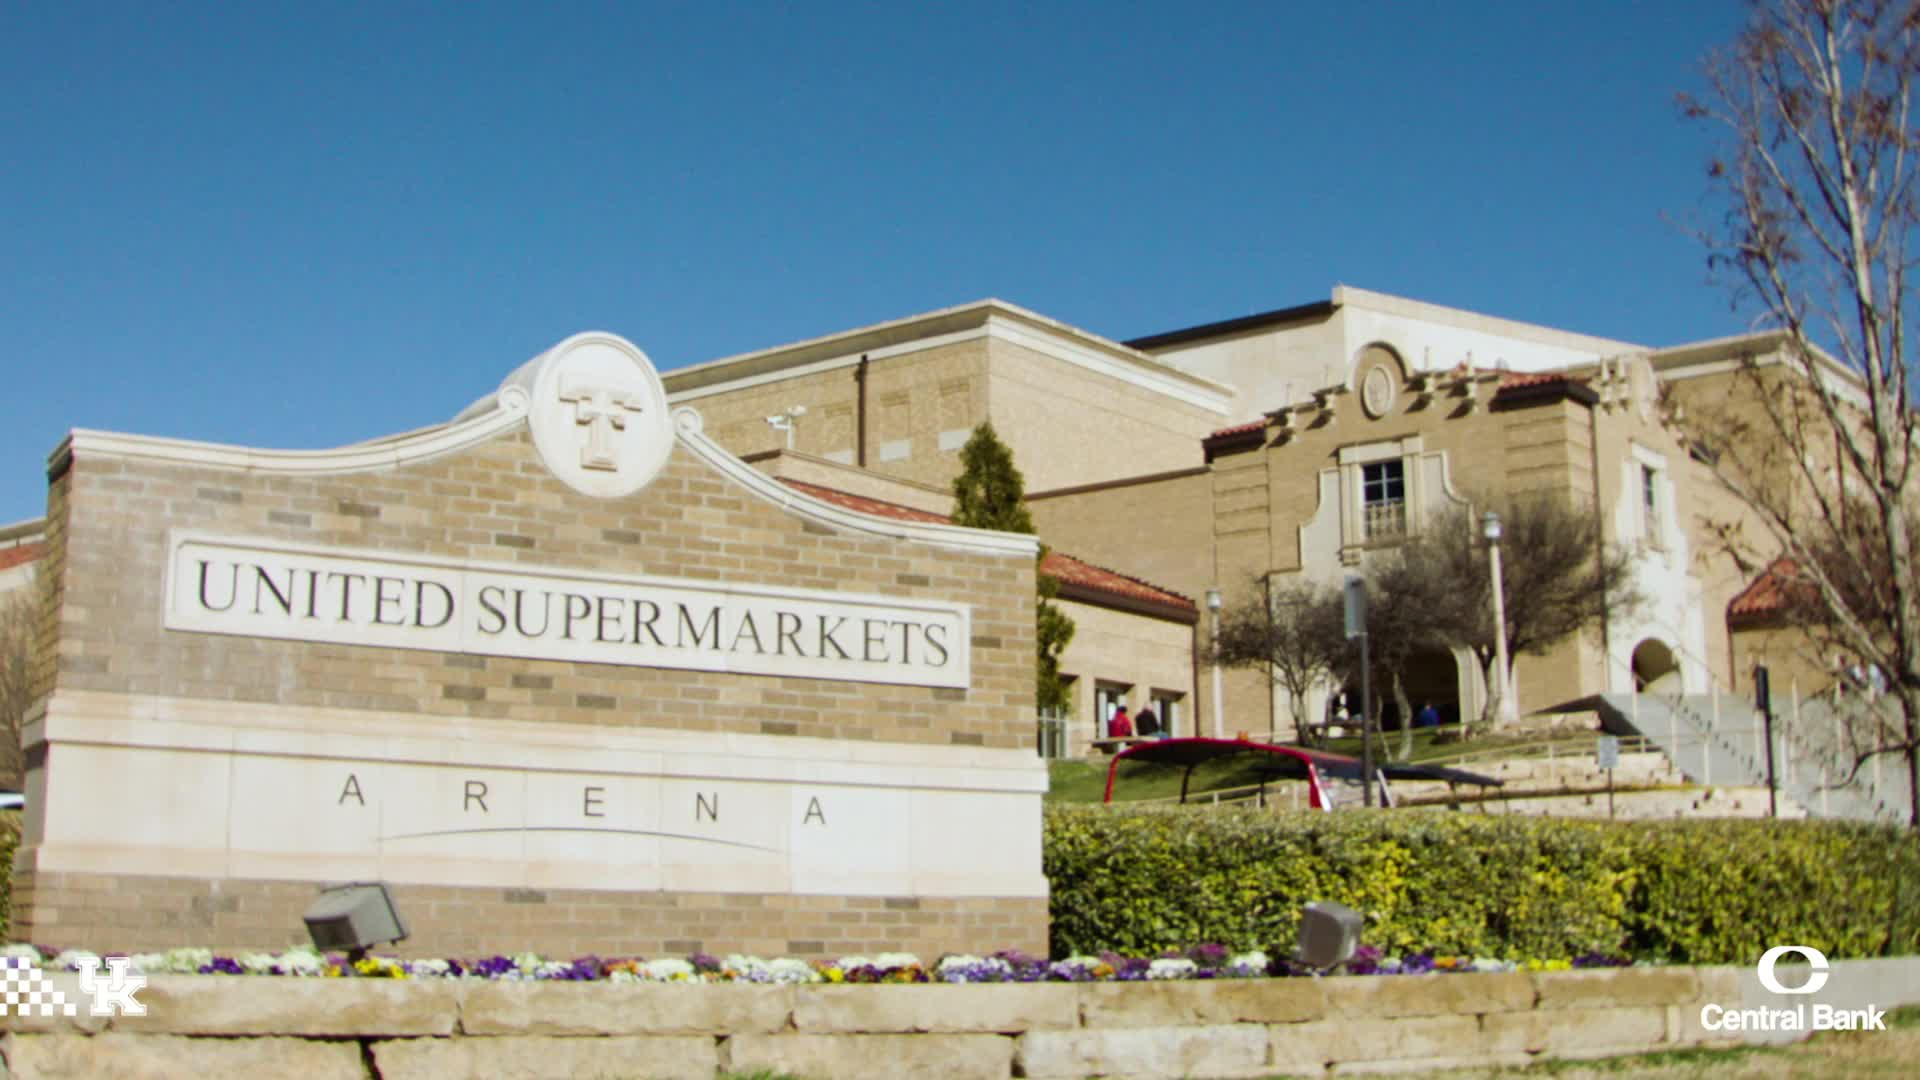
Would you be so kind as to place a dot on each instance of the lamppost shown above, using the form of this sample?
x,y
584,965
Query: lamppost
x,y
1214,602
1490,528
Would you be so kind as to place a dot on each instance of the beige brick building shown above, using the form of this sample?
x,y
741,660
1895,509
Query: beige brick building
x,y
1331,429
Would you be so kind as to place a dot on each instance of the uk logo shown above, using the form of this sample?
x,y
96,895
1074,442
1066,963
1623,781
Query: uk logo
x,y
26,991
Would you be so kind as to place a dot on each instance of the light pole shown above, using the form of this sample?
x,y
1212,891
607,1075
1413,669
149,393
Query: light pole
x,y
1214,602
1490,528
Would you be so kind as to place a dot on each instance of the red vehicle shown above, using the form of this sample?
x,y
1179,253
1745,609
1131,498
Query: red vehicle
x,y
1317,767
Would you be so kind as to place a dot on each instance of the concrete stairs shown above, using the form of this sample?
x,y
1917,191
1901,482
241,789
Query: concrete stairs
x,y
1718,739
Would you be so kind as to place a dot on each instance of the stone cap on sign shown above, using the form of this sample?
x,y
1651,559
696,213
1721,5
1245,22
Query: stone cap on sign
x,y
600,421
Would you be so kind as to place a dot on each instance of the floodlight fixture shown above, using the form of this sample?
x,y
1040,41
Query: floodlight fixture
x,y
354,917
784,421
1329,934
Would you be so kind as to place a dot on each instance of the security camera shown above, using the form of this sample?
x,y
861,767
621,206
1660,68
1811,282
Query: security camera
x,y
797,411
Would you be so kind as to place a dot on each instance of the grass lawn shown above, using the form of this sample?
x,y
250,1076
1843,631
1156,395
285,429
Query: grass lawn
x,y
1086,782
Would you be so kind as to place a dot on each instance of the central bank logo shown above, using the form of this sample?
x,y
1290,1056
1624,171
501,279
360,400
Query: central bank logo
x,y
1816,965
599,415
26,991
1797,1016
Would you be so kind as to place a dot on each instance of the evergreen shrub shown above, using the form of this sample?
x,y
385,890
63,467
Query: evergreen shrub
x,y
1138,880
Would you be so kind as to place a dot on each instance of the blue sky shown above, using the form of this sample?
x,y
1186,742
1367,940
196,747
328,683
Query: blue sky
x,y
306,225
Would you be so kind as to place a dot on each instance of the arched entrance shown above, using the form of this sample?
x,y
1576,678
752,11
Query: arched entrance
x,y
1655,670
1428,676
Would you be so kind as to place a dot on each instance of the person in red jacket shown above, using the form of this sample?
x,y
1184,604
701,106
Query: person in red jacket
x,y
1120,727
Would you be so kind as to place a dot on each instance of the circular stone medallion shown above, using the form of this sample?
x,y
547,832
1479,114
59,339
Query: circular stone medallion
x,y
599,415
1377,392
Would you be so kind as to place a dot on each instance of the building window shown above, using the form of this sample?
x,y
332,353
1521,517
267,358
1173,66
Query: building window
x,y
1169,707
1383,498
1650,503
1108,698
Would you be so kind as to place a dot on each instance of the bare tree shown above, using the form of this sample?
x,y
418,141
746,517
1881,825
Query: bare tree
x,y
1403,600
1559,576
1291,630
1813,105
20,625
1435,592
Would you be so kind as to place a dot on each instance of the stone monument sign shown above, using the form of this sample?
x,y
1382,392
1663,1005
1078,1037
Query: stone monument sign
x,y
564,672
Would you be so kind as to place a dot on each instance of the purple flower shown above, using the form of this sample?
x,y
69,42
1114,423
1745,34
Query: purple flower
x,y
1210,955
1366,961
222,965
493,967
1598,959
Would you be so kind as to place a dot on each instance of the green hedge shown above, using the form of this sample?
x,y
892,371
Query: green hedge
x,y
9,839
1714,892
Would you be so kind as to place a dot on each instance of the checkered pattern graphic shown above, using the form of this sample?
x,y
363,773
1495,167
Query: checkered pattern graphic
x,y
23,990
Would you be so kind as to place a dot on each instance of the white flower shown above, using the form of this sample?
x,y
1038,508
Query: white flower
x,y
745,967
788,970
848,963
1172,968
667,969
971,968
257,963
148,963
622,976
186,961
1248,963
71,958
25,952
428,967
890,961
301,961
528,962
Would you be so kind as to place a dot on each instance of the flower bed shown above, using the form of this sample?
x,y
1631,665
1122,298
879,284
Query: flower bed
x,y
1200,962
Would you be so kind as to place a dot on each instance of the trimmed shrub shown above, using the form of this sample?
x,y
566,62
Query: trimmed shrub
x,y
9,839
1700,892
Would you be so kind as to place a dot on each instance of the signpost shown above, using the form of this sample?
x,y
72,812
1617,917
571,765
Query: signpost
x,y
1608,754
1356,596
1763,700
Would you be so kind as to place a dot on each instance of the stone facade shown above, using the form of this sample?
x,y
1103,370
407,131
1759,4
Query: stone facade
x,y
1224,1028
1473,407
899,399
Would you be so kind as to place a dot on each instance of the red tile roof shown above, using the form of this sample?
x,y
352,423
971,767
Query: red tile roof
x,y
20,554
1240,429
1768,594
876,507
1514,379
1074,575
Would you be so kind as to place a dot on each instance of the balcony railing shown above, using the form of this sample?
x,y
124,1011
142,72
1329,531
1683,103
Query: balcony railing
x,y
1386,520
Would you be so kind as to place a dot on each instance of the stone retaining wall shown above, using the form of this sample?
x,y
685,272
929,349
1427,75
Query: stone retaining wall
x,y
1231,1028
